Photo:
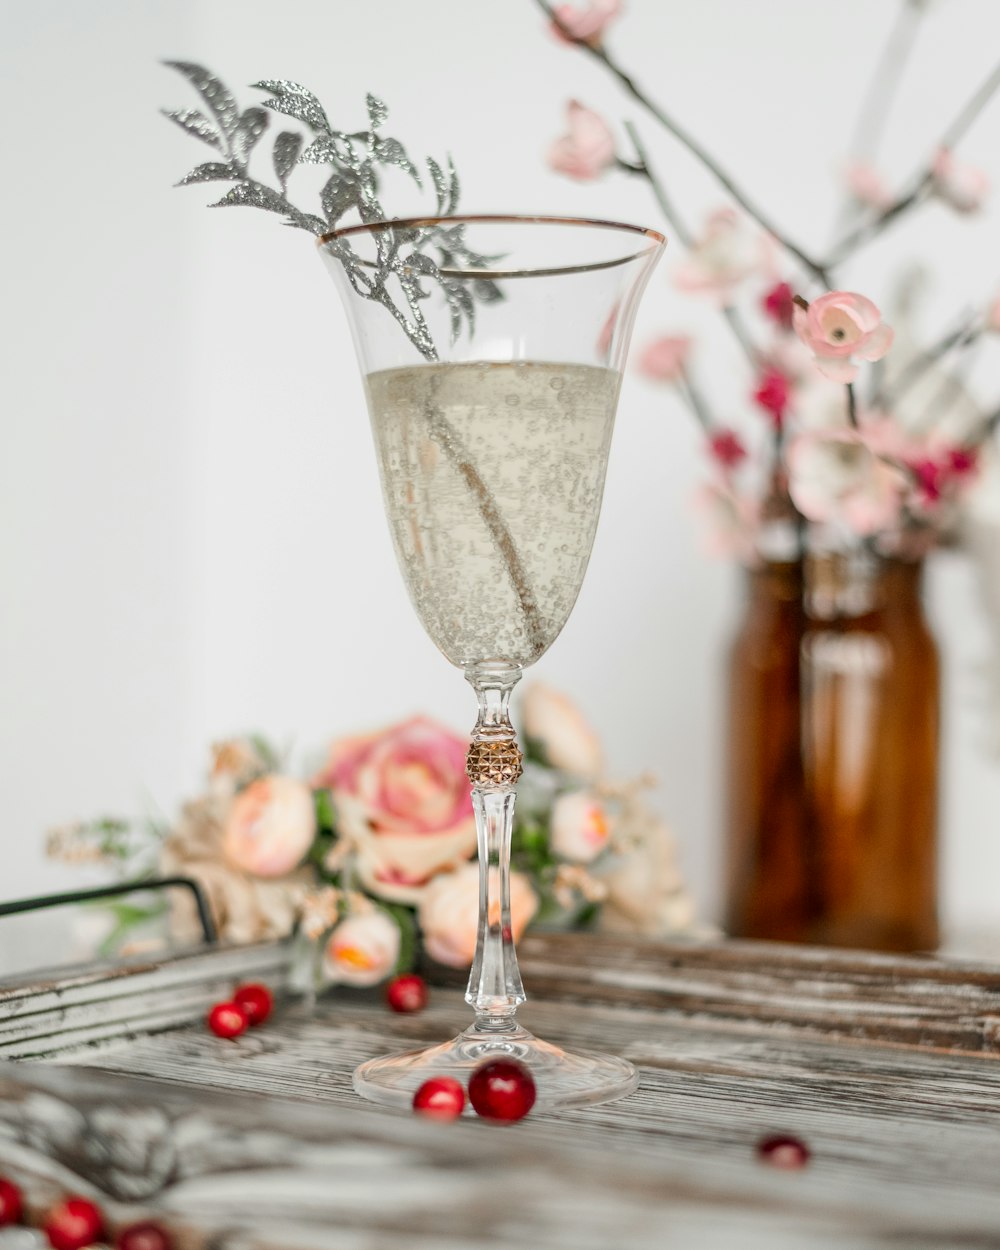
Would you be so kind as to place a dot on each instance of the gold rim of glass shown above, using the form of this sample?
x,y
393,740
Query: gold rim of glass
x,y
656,239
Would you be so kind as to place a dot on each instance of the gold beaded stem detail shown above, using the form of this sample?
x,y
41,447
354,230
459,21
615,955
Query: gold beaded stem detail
x,y
494,765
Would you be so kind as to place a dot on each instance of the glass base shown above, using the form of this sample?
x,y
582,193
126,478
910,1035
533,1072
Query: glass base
x,y
562,1078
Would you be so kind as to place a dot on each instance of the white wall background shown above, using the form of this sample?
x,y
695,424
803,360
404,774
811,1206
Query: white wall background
x,y
192,536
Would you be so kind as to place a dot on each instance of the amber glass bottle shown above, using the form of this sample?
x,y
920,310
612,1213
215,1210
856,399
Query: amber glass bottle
x,y
832,761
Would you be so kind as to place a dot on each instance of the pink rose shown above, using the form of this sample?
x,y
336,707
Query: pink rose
x,y
838,326
584,25
270,827
581,827
867,185
727,253
838,476
449,913
403,800
665,359
587,148
964,187
362,950
557,726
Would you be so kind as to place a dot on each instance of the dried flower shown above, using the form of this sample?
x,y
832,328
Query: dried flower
x,y
584,25
772,394
665,359
587,149
726,448
554,724
837,476
963,187
319,910
779,304
839,326
573,882
727,253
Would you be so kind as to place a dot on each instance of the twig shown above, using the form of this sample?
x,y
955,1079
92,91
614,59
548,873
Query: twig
x,y
599,53
965,333
683,233
852,406
885,80
696,402
868,230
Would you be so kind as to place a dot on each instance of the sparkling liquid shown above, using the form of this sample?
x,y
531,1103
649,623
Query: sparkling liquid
x,y
492,476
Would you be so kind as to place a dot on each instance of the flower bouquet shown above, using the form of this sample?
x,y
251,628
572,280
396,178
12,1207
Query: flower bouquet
x,y
371,861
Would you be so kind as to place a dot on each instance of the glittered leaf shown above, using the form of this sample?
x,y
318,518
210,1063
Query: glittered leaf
x,y
487,292
287,147
252,125
211,171
440,183
254,195
294,100
338,195
453,187
195,123
392,152
331,149
220,102
377,112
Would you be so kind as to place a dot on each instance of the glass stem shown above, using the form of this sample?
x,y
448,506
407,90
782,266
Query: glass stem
x,y
494,764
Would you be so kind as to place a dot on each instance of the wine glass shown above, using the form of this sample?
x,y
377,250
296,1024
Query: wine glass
x,y
492,349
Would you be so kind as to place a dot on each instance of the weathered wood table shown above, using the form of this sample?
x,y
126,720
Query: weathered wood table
x,y
886,1067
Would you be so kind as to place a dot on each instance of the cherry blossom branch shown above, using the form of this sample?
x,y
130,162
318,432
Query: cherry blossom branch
x,y
670,212
868,230
693,146
886,78
961,336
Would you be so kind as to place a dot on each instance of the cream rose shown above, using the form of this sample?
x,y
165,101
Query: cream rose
x,y
403,800
556,724
581,826
449,913
362,950
270,827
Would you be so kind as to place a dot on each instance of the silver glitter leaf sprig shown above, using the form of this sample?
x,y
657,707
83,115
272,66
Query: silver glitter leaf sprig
x,y
403,256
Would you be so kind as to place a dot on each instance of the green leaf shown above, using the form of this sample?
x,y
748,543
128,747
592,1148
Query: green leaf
x,y
405,918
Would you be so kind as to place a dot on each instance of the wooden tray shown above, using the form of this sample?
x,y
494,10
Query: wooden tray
x,y
884,1066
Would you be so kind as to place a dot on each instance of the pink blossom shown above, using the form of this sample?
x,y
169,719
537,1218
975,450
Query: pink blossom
x,y
449,913
727,253
554,723
867,185
772,394
839,326
940,471
403,801
993,316
362,950
726,448
779,304
270,827
665,359
733,521
584,25
836,476
587,148
964,187
580,826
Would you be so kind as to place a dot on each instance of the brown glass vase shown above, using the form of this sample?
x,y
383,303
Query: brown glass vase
x,y
833,757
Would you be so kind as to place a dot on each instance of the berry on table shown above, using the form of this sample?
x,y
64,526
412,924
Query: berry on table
x,y
73,1224
11,1203
144,1236
256,1000
407,993
228,1020
783,1151
440,1098
502,1090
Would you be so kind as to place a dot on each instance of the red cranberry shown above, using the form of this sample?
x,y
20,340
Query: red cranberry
x,y
73,1224
502,1089
145,1236
783,1152
256,1000
408,993
228,1020
440,1098
11,1203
